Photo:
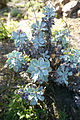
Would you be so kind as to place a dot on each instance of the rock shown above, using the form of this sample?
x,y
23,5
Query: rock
x,y
78,13
58,8
64,1
70,7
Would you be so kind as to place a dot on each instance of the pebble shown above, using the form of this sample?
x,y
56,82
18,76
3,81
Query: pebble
x,y
78,13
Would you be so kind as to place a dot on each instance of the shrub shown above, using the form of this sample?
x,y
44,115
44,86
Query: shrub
x,y
40,49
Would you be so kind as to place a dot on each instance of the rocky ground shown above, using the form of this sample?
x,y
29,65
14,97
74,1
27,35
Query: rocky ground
x,y
74,24
74,27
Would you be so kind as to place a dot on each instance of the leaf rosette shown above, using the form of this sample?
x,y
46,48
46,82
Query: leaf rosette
x,y
71,56
15,60
31,93
20,38
39,70
63,73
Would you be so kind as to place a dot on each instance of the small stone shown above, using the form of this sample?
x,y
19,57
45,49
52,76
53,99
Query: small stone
x,y
64,1
58,7
78,13
79,92
70,7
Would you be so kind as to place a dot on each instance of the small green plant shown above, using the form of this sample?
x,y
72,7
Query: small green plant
x,y
62,115
71,57
5,14
35,4
18,109
3,31
15,12
20,16
60,37
11,26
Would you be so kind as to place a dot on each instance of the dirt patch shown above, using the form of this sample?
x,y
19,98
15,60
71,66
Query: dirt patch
x,y
74,25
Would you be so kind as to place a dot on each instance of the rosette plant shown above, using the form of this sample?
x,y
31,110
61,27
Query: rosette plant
x,y
20,38
15,60
39,70
31,93
71,57
63,73
50,14
60,37
37,27
38,40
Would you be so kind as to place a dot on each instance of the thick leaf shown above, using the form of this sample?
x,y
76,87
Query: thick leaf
x,y
40,97
35,78
30,69
34,62
70,73
45,72
33,101
22,116
27,116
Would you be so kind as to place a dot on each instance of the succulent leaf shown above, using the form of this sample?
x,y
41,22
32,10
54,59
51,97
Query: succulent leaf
x,y
20,38
39,69
15,60
63,73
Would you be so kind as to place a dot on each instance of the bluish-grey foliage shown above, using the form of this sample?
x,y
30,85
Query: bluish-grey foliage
x,y
31,93
71,57
45,55
20,38
49,12
38,34
63,73
38,27
60,36
49,15
15,60
38,40
39,70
